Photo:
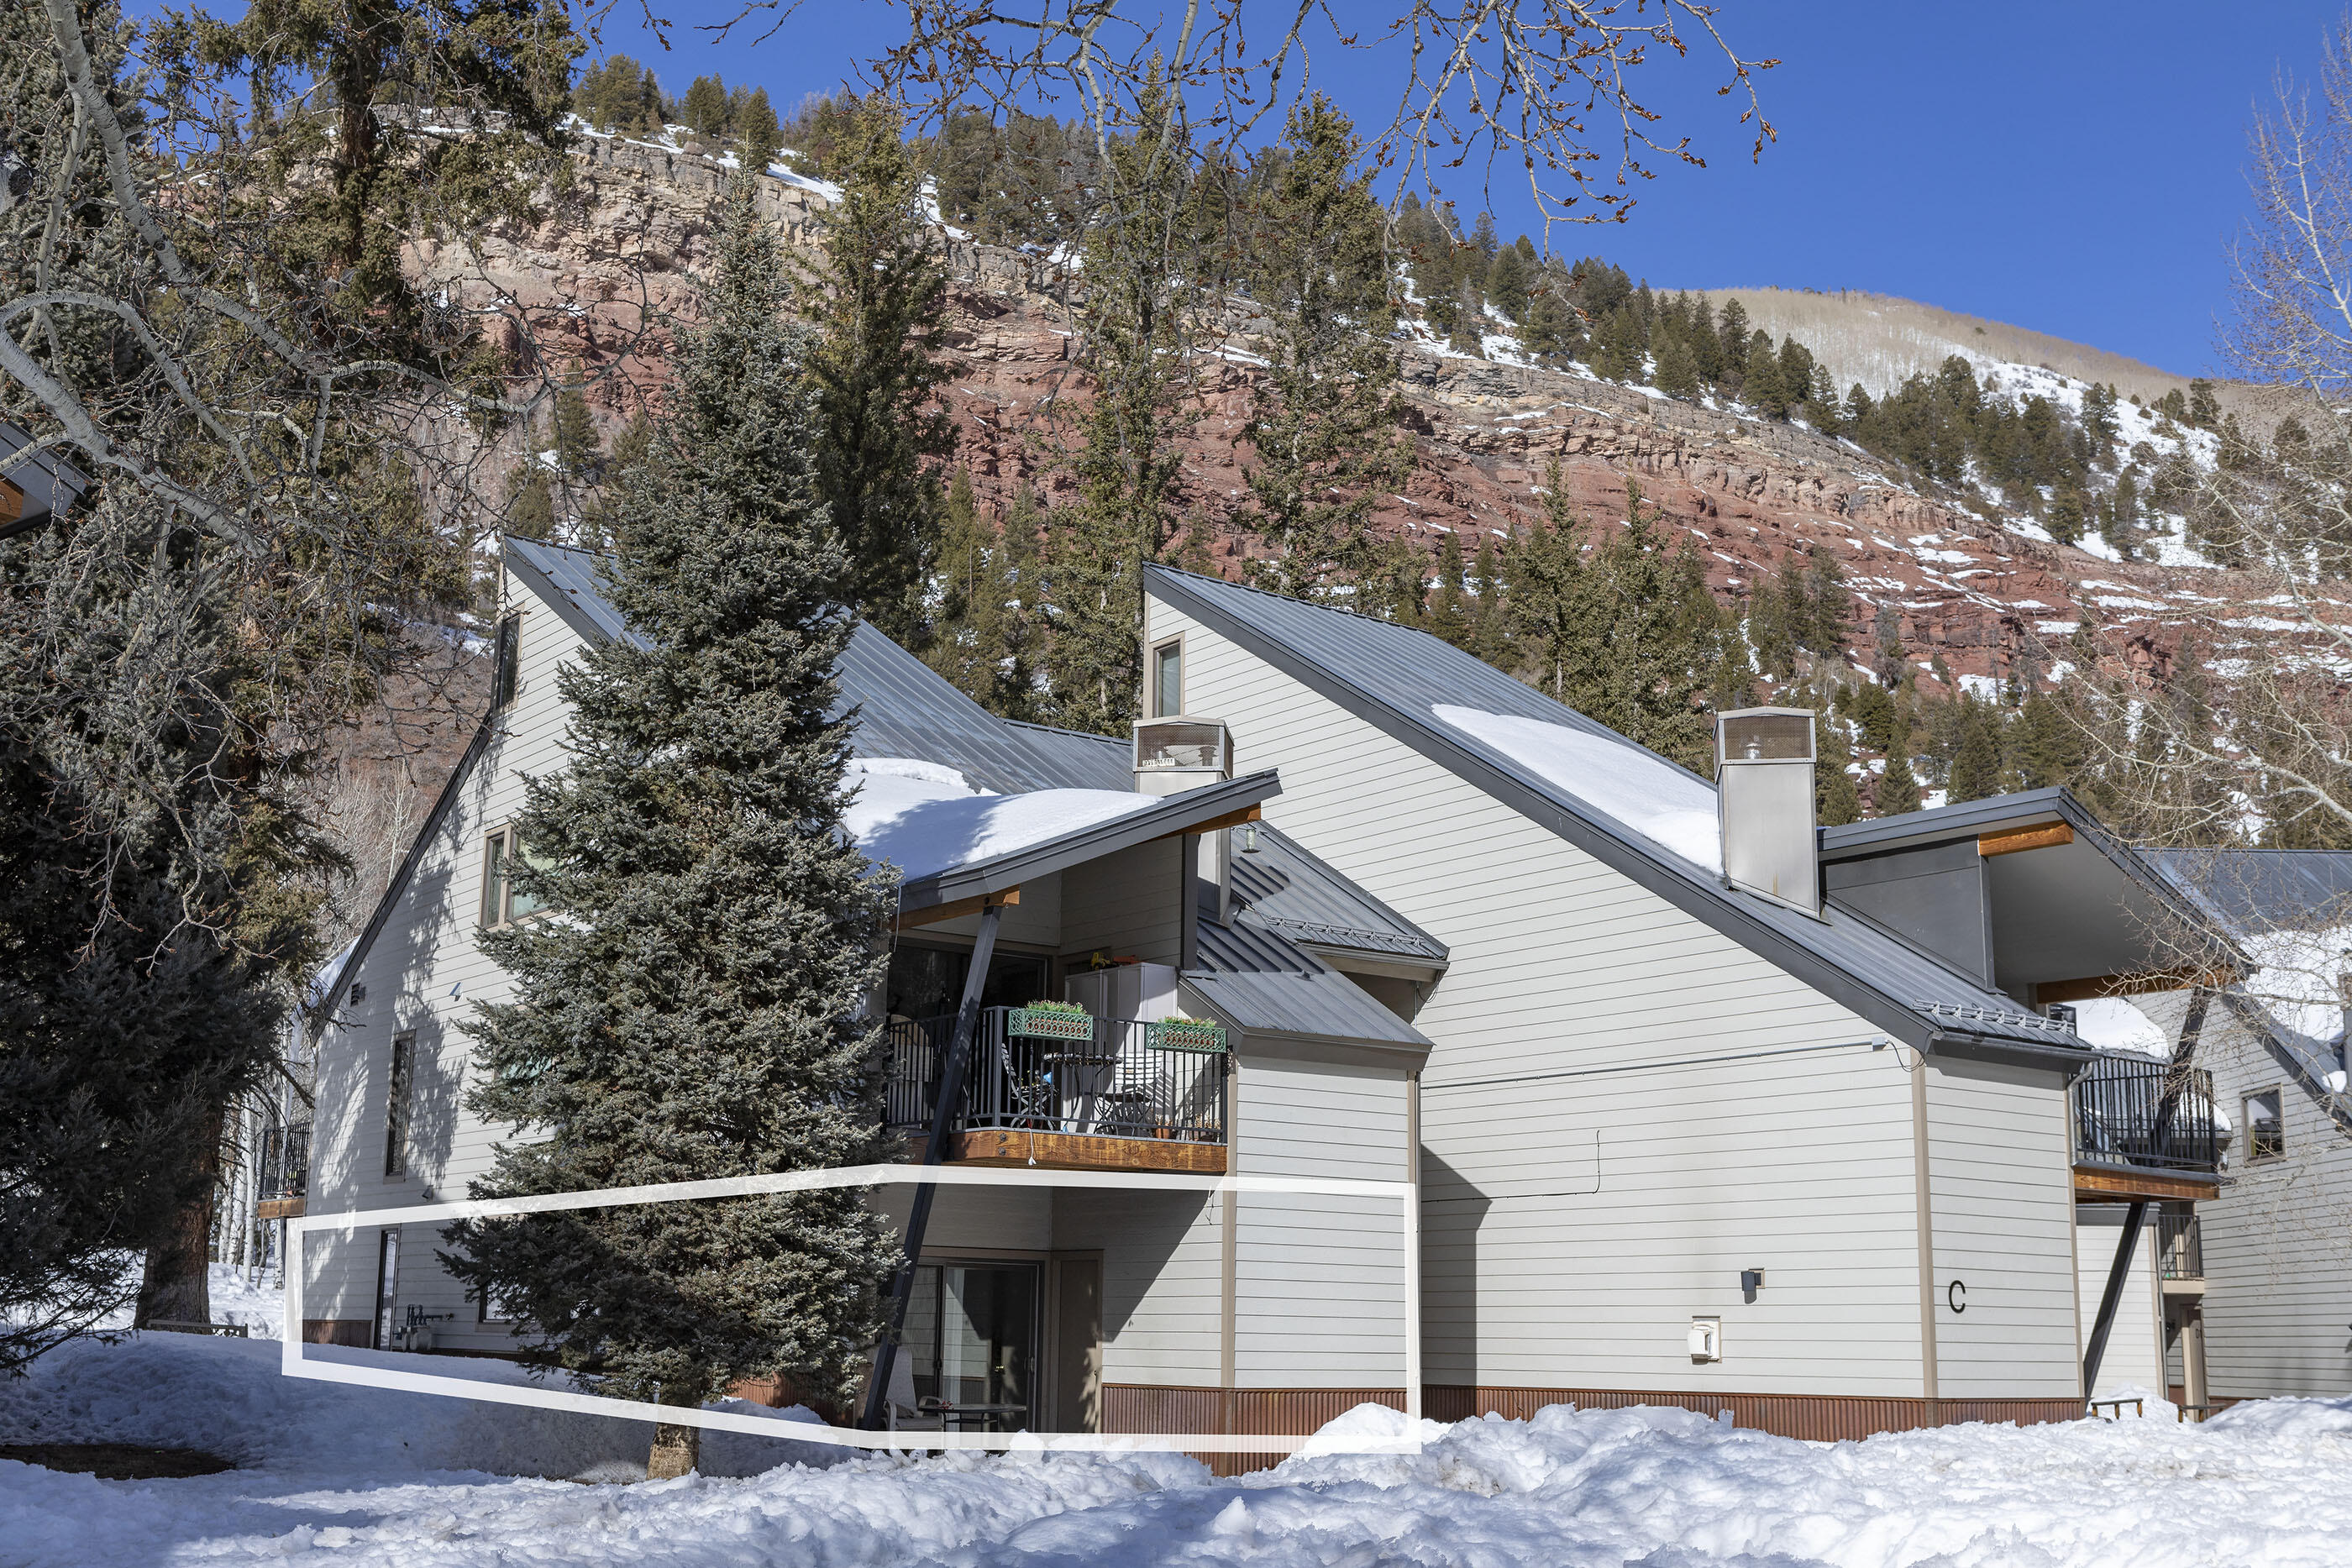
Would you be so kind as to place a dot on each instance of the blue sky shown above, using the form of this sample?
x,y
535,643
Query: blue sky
x,y
2066,166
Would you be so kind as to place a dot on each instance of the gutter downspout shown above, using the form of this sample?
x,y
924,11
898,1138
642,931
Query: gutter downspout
x,y
919,1218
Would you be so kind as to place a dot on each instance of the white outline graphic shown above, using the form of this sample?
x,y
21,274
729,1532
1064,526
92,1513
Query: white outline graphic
x,y
296,1364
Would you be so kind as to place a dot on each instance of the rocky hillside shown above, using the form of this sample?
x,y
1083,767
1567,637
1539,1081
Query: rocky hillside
x,y
1972,592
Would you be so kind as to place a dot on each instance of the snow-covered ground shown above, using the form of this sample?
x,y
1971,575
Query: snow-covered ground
x,y
338,1475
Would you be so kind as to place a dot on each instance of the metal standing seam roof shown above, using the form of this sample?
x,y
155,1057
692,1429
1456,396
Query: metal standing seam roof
x,y
1287,890
1395,678
2251,893
1259,983
905,708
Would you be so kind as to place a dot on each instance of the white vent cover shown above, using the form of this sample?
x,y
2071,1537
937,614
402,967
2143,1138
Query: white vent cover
x,y
1178,753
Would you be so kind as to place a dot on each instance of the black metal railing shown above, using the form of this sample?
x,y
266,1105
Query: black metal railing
x,y
2179,1250
2138,1113
1119,1081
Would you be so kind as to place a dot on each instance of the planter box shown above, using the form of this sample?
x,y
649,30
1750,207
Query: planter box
x,y
1187,1034
1036,1023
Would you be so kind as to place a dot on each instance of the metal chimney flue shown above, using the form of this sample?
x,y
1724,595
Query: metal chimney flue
x,y
1764,801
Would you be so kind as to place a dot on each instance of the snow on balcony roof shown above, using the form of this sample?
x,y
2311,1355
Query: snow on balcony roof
x,y
1658,800
925,819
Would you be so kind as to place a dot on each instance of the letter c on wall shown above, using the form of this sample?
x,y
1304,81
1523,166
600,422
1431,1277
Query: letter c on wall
x,y
1957,1294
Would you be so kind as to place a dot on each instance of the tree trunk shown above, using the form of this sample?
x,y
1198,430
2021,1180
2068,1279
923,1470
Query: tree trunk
x,y
176,1285
677,1451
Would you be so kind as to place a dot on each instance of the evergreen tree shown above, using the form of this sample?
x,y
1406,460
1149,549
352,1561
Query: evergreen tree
x,y
2065,523
1620,345
1490,626
1678,374
1976,759
1898,789
1761,387
2119,517
577,447
1731,327
1547,603
762,137
530,503
1837,802
1322,419
705,109
1509,277
694,1007
2204,408
1449,603
1137,343
881,294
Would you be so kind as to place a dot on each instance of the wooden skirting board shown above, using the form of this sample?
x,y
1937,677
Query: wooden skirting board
x,y
1818,1417
2100,1184
1076,1151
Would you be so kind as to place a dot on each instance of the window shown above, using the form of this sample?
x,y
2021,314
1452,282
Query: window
x,y
505,678
2265,1126
1168,679
387,1286
396,1101
501,900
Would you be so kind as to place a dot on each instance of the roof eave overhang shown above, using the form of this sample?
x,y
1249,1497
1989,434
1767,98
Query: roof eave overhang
x,y
1172,814
543,588
1408,1054
2052,1056
1700,897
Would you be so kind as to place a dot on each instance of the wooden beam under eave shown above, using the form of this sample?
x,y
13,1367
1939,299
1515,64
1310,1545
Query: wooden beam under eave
x,y
12,501
2011,840
1214,824
2137,983
2107,1186
938,914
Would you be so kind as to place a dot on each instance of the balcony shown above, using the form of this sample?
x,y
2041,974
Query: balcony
x,y
2144,1129
1117,1094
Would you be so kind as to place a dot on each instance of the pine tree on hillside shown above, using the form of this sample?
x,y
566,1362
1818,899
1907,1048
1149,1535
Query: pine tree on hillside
x,y
1837,802
1731,331
1976,772
1490,625
1678,373
577,447
762,137
1322,417
530,503
1509,277
878,298
704,111
693,1006
1898,788
1620,345
1761,387
1449,614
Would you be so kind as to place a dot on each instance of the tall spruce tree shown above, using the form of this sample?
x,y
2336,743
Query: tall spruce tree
x,y
1322,423
1137,342
691,1007
883,435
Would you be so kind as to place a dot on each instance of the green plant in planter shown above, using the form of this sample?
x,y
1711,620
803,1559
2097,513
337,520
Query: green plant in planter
x,y
1052,1021
1181,1033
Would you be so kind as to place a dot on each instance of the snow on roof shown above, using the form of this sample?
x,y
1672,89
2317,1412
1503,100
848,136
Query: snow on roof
x,y
1645,793
2295,978
2113,1023
926,819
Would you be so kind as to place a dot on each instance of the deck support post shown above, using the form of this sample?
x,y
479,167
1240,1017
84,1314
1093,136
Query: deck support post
x,y
919,1218
2117,1272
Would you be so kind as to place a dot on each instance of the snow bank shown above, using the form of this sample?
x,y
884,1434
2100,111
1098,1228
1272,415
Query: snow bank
x,y
1654,798
925,819
346,1476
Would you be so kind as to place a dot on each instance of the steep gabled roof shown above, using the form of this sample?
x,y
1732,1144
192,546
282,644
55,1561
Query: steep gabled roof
x,y
1396,680
1254,979
2253,892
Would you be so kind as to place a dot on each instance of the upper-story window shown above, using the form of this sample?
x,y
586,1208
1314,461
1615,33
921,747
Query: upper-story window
x,y
501,900
2265,1124
505,675
400,1094
1168,679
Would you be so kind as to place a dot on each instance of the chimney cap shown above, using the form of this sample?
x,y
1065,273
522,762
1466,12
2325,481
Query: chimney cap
x,y
1764,735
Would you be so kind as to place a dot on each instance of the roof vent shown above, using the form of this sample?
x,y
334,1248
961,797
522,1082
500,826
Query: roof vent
x,y
1176,754
1764,798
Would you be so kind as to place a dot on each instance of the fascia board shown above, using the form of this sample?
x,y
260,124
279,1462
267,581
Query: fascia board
x,y
1700,898
1172,815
